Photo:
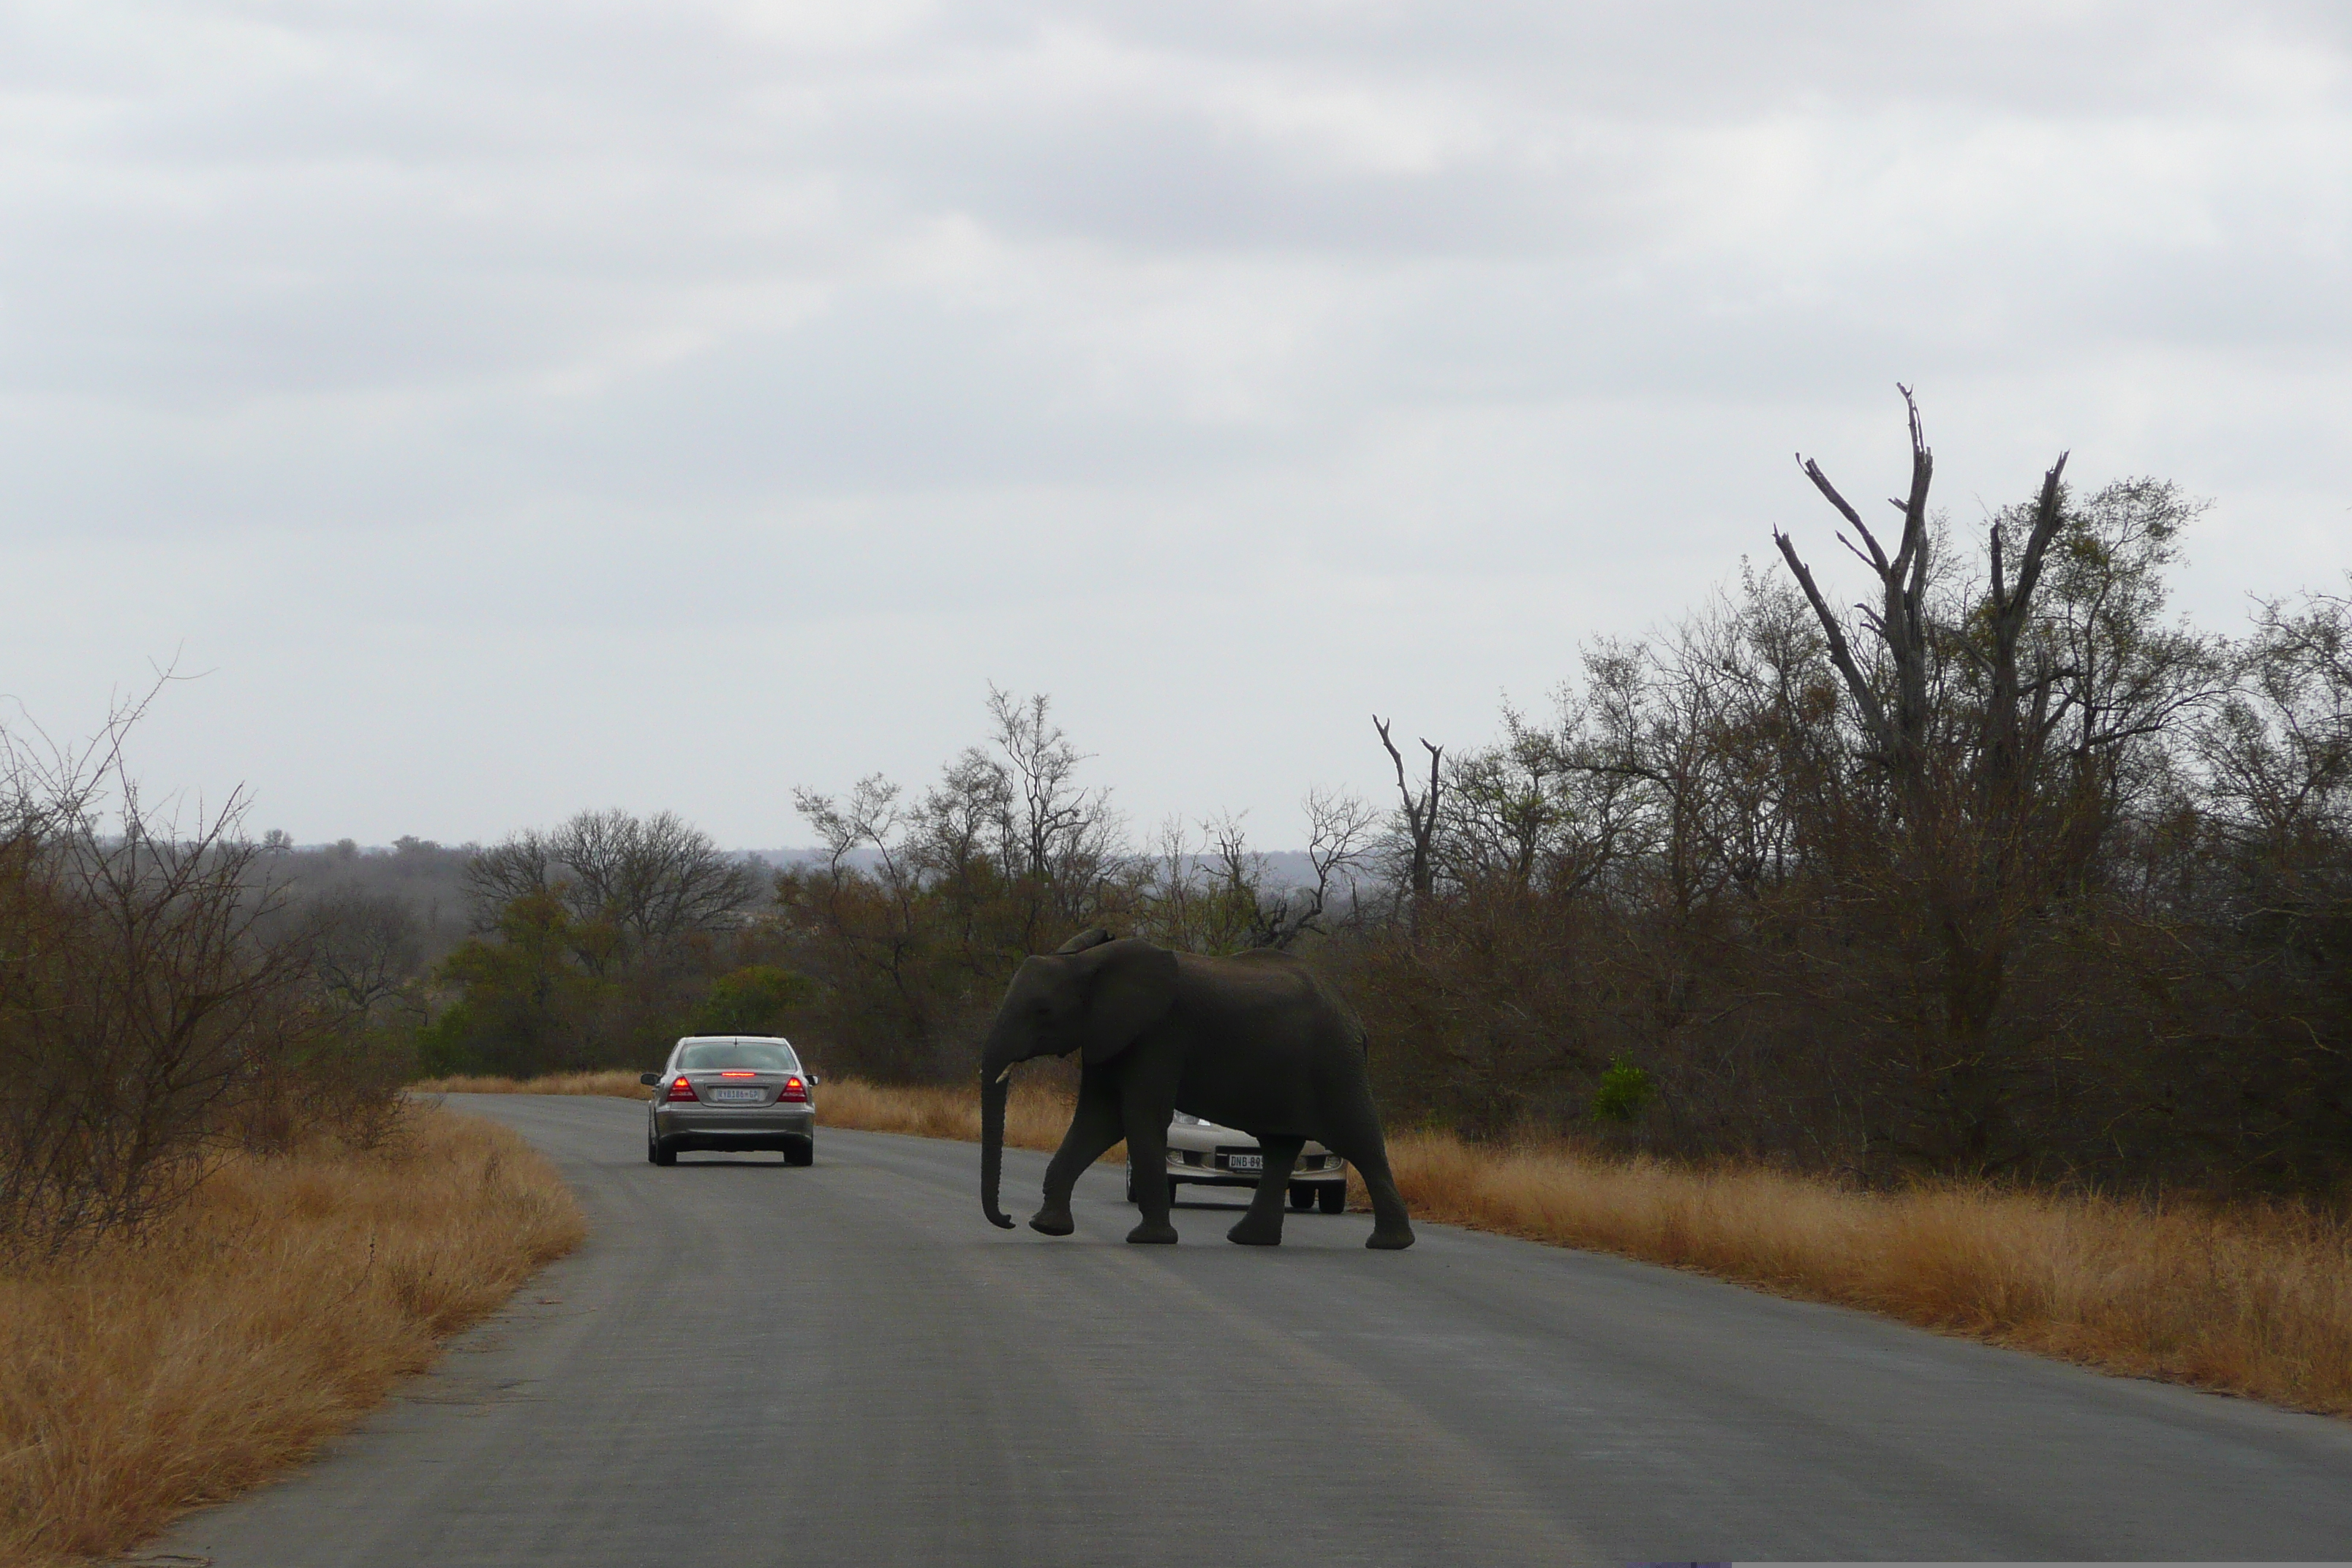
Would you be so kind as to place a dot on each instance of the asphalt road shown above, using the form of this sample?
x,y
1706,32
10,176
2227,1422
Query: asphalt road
x,y
751,1364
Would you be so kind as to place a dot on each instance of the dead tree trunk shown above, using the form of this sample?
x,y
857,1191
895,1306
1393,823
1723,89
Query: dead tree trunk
x,y
1421,824
1966,791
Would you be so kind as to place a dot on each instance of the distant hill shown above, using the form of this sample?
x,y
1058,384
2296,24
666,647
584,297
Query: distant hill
x,y
1284,868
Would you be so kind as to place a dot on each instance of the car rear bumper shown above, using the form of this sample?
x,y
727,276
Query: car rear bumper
x,y
718,1126
1210,1176
1190,1178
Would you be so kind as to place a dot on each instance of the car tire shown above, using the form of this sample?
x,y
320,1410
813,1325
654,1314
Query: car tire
x,y
1333,1198
1302,1194
660,1153
801,1152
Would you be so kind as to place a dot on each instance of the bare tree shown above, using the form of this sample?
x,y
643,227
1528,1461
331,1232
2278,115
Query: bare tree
x,y
1058,838
1982,835
1421,816
1504,808
1340,828
365,949
147,990
656,877
522,864
632,886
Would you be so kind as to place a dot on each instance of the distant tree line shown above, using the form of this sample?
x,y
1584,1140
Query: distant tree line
x,y
597,943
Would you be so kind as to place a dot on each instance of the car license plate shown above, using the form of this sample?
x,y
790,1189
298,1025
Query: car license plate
x,y
1245,1162
737,1096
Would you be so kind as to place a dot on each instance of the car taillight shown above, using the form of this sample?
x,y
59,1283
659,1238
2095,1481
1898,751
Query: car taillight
x,y
746,1074
794,1089
682,1088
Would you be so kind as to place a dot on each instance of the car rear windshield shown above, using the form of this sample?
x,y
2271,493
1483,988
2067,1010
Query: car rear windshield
x,y
766,1056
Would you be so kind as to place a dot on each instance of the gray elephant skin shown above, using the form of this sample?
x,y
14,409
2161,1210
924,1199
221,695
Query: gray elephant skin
x,y
1256,1041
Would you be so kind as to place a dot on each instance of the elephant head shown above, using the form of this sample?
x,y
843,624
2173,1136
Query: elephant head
x,y
1097,995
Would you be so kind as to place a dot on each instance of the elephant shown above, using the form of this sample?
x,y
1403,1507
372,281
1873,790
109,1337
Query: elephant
x,y
1256,1041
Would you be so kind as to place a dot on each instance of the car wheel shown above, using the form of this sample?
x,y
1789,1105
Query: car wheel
x,y
802,1153
1333,1198
1302,1194
660,1153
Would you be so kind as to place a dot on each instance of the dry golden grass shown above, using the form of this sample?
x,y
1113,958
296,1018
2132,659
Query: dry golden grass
x,y
616,1084
1035,1115
2249,1298
280,1303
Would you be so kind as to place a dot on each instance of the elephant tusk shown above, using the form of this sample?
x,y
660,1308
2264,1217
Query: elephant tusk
x,y
1005,1074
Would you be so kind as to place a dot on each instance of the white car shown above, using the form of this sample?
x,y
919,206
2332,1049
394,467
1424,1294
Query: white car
x,y
1208,1155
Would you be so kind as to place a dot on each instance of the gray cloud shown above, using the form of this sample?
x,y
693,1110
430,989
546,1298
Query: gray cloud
x,y
522,406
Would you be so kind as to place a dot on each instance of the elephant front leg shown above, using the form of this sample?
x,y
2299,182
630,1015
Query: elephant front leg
x,y
1093,1129
1261,1227
1146,1114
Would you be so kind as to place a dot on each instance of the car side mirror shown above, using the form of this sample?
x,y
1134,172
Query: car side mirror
x,y
813,1080
650,1079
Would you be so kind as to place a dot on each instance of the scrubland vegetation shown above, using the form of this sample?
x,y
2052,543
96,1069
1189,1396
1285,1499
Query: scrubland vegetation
x,y
224,1230
141,1374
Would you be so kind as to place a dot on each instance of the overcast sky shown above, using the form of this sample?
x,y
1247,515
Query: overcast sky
x,y
515,408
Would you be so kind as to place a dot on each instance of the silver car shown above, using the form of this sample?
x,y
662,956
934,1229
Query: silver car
x,y
1205,1154
732,1091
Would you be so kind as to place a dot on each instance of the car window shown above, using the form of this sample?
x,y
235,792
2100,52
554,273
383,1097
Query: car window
x,y
765,1056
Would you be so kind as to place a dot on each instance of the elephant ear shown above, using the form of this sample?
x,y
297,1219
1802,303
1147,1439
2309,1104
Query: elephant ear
x,y
1129,986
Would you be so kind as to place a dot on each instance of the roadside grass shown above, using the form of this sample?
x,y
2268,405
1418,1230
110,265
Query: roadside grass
x,y
2248,1298
614,1084
141,1378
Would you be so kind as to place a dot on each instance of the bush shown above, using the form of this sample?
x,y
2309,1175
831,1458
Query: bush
x,y
153,1009
1624,1090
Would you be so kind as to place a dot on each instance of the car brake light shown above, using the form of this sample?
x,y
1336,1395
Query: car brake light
x,y
682,1088
794,1089
733,1074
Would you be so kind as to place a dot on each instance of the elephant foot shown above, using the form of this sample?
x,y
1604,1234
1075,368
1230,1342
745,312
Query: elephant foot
x,y
1148,1234
1252,1231
1384,1240
1052,1222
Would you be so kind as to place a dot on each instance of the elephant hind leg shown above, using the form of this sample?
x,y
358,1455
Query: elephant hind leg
x,y
1262,1225
1364,1148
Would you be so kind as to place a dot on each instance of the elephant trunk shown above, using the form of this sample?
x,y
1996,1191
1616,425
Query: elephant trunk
x,y
993,1091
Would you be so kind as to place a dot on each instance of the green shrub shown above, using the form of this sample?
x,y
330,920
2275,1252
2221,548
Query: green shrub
x,y
1624,1089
